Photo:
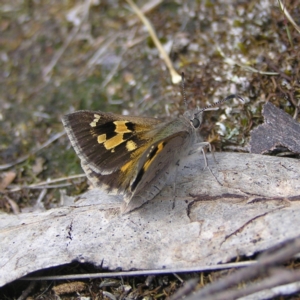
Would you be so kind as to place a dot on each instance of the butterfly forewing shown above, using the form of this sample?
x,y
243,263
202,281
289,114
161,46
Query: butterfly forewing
x,y
105,141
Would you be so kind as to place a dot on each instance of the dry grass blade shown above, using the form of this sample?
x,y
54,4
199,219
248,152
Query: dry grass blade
x,y
48,69
46,184
144,272
244,67
117,65
288,16
100,53
14,206
176,78
27,291
145,9
187,288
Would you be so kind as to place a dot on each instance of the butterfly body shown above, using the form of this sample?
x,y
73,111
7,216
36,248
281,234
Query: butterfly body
x,y
127,155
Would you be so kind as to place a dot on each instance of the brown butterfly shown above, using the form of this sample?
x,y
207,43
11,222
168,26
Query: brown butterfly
x,y
132,156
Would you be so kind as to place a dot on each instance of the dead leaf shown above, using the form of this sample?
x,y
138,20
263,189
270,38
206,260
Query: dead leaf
x,y
6,179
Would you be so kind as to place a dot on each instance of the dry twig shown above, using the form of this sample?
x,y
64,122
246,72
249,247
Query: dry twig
x,y
176,78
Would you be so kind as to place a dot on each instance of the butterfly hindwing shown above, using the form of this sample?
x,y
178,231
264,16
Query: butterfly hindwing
x,y
158,164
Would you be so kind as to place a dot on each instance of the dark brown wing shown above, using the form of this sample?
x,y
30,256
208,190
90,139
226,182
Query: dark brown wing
x,y
156,170
106,141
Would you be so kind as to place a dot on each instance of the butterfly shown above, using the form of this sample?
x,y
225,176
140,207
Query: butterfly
x,y
133,156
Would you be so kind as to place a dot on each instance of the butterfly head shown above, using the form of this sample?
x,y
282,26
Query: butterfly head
x,y
196,116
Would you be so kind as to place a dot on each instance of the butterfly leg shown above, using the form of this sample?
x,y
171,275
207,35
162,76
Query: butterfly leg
x,y
201,147
174,183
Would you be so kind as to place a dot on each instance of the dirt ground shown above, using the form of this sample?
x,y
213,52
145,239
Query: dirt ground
x,y
57,57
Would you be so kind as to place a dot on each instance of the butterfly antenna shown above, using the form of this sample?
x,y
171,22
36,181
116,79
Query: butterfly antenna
x,y
220,102
183,90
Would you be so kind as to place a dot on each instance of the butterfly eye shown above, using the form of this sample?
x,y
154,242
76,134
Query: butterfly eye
x,y
196,122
